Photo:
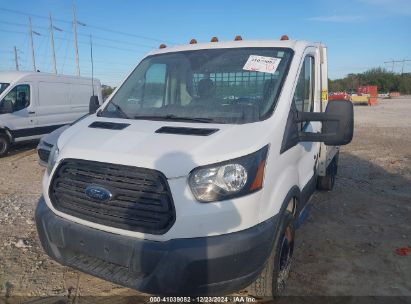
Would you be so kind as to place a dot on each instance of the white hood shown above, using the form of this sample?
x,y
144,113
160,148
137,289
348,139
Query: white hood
x,y
174,155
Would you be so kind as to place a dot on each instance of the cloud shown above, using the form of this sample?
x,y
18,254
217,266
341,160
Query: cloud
x,y
338,18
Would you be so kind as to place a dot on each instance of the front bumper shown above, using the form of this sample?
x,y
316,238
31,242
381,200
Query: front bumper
x,y
212,265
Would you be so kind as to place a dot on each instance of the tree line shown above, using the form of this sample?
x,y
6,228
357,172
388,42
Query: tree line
x,y
106,91
385,81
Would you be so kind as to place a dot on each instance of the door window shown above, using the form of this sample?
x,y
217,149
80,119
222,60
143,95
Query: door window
x,y
17,99
304,91
3,86
155,84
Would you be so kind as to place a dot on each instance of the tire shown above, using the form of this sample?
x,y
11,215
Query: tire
x,y
4,145
272,280
327,182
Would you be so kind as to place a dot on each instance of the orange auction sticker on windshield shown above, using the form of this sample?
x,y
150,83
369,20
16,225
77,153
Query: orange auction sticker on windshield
x,y
262,64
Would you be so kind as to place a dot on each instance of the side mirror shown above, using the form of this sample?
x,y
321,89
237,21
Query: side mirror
x,y
337,124
93,105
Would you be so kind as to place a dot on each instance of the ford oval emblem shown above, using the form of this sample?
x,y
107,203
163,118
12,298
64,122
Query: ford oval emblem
x,y
98,193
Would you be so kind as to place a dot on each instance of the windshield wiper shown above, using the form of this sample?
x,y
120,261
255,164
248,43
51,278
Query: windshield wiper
x,y
175,118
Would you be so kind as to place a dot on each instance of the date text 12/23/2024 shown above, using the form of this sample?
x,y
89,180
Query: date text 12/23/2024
x,y
223,299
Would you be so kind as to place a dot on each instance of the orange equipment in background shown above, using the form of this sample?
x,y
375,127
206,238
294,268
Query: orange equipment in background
x,y
371,92
338,96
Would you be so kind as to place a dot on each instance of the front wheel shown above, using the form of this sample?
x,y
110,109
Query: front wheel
x,y
272,280
4,145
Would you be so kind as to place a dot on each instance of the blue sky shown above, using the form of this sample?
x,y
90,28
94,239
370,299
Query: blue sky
x,y
360,34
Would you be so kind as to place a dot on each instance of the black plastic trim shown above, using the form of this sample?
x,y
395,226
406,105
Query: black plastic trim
x,y
307,191
290,137
212,265
108,125
34,131
186,131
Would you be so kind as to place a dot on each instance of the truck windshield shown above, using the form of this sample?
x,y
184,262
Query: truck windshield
x,y
231,85
3,86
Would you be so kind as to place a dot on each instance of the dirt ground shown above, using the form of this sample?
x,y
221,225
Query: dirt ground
x,y
347,245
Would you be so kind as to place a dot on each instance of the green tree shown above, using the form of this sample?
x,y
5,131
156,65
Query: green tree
x,y
106,91
384,80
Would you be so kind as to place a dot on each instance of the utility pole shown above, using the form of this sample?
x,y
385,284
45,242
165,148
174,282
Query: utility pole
x,y
75,40
92,65
403,62
33,58
398,61
52,45
31,32
16,58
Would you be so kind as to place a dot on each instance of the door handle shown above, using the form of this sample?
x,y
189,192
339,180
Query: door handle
x,y
32,112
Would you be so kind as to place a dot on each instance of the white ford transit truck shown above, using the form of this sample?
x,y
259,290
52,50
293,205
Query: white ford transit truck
x,y
33,104
193,176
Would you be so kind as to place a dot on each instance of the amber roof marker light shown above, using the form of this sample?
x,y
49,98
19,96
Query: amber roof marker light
x,y
214,39
238,38
284,37
193,41
162,46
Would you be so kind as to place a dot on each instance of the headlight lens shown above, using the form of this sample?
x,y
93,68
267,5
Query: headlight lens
x,y
229,179
52,158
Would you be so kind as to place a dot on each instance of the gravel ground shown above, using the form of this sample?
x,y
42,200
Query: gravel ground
x,y
347,245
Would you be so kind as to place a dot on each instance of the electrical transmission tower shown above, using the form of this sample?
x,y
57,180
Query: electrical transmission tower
x,y
393,62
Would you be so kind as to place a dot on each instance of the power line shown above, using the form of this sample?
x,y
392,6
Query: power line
x,y
115,72
80,42
14,32
398,61
91,26
31,15
84,35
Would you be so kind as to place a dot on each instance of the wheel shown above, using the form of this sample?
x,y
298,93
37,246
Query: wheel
x,y
326,183
272,280
4,145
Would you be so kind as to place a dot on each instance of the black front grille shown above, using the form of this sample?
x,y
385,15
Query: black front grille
x,y
141,199
44,155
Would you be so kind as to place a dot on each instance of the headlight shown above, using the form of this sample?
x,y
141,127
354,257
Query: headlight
x,y
229,179
52,158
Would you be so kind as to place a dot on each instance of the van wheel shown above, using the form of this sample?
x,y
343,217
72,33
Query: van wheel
x,y
4,145
326,183
272,280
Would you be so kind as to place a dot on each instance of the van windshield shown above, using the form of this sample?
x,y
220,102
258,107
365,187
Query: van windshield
x,y
231,85
3,86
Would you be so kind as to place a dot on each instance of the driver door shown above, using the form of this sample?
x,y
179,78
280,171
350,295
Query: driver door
x,y
21,118
306,100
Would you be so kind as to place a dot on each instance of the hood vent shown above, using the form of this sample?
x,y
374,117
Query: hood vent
x,y
108,125
186,131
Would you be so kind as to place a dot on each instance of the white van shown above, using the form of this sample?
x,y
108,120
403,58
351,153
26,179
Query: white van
x,y
193,176
33,104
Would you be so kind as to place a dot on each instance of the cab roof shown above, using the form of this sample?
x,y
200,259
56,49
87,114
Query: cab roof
x,y
296,45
